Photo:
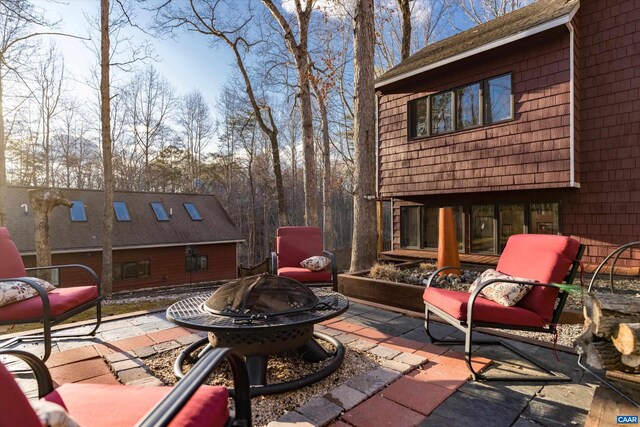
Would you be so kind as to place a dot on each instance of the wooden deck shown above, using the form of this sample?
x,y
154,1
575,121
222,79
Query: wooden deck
x,y
414,254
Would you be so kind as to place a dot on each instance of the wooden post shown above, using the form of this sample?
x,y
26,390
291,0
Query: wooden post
x,y
447,242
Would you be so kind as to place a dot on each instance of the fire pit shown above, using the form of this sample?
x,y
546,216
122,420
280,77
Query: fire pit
x,y
260,316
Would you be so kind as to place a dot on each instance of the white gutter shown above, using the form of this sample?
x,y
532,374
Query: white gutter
x,y
119,248
572,145
566,19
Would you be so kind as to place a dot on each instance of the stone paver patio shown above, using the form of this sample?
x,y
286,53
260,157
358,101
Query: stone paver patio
x,y
417,384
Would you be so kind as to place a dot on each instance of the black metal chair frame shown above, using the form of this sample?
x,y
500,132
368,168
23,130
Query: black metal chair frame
x,y
615,255
48,320
468,325
334,271
164,411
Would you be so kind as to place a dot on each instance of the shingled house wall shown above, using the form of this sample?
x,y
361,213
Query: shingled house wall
x,y
506,163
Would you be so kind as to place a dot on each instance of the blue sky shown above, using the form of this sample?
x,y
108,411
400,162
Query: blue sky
x,y
187,62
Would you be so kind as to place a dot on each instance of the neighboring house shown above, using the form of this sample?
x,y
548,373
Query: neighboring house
x,y
159,239
529,123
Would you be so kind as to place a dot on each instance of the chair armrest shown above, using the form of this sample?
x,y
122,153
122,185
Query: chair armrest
x,y
435,273
37,366
168,408
273,266
334,264
89,270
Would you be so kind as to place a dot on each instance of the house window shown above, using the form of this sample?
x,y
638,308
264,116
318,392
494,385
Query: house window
x,y
441,117
498,102
161,213
545,218
196,263
482,229
410,226
78,213
468,106
511,221
131,270
193,211
122,213
420,224
485,102
418,125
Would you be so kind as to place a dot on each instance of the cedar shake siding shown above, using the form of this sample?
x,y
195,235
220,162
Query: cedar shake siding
x,y
527,160
529,152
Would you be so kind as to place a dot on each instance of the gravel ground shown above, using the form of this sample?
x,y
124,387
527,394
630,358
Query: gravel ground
x,y
280,368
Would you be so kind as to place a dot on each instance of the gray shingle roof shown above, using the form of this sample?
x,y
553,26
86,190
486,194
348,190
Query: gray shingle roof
x,y
518,21
143,229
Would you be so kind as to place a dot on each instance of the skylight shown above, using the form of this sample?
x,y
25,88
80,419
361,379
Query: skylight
x,y
78,213
193,211
122,213
161,213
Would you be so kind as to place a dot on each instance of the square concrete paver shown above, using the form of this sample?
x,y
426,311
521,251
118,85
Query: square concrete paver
x,y
79,371
320,410
72,356
381,412
442,375
345,396
413,392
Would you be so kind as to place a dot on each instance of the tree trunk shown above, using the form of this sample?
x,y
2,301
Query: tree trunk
x,y
107,153
627,340
604,312
327,220
405,17
308,147
42,202
3,161
363,253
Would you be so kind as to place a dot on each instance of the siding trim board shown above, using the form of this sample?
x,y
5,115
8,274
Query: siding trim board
x,y
480,49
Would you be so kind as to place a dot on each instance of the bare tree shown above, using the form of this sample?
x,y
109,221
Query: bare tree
x,y
205,18
150,101
480,11
363,252
43,201
194,117
405,17
48,90
300,51
107,153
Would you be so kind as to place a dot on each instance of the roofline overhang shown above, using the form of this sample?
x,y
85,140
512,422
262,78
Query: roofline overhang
x,y
562,20
118,248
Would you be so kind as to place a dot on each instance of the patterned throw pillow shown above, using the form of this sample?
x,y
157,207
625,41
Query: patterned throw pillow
x,y
15,291
52,415
507,294
316,263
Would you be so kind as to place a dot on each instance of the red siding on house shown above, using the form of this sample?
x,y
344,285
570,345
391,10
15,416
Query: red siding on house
x,y
530,152
606,211
167,266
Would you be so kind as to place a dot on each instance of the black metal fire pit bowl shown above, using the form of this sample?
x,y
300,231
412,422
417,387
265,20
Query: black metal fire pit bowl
x,y
258,336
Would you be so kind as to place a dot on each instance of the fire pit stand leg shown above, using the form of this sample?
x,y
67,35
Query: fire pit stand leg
x,y
313,352
257,369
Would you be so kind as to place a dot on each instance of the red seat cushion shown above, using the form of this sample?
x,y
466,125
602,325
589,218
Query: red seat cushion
x,y
295,244
61,300
455,303
112,405
541,257
303,275
15,409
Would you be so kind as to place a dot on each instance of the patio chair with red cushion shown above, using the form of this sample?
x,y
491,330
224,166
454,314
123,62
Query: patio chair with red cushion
x,y
294,245
112,405
48,308
548,260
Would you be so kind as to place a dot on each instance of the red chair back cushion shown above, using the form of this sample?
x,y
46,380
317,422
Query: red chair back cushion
x,y
108,405
15,409
11,264
542,257
295,244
